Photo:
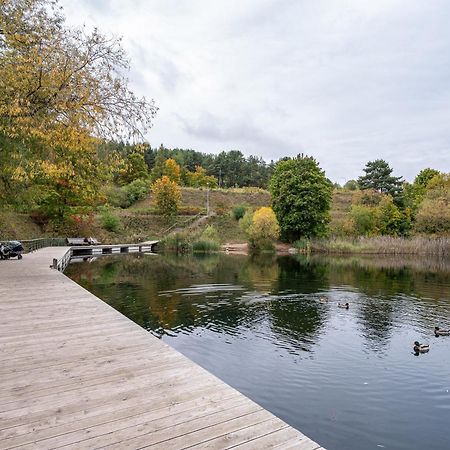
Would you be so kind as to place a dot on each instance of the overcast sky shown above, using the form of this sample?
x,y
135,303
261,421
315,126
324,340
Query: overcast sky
x,y
343,81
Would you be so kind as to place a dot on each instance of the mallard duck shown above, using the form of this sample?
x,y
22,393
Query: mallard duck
x,y
439,332
323,300
421,348
343,305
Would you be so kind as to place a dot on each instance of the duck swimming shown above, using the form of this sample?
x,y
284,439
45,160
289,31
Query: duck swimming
x,y
420,348
323,300
439,332
343,305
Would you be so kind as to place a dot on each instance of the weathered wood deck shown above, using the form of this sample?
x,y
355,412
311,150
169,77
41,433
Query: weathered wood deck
x,y
77,374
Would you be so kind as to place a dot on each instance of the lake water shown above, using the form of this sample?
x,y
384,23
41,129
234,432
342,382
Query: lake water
x,y
346,378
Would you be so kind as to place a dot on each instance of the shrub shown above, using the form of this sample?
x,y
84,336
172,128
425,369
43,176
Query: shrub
x,y
210,233
264,229
364,219
168,196
367,197
239,211
246,221
117,197
80,223
109,221
208,241
175,243
389,217
136,190
205,246
303,245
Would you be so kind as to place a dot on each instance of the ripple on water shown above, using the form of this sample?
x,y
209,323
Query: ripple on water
x,y
347,378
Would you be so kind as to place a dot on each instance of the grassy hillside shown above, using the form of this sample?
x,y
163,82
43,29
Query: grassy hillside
x,y
139,222
17,226
342,203
220,200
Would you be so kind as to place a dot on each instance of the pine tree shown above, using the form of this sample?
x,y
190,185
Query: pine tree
x,y
378,176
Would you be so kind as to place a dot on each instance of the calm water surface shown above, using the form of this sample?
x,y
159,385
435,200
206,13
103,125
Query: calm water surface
x,y
346,378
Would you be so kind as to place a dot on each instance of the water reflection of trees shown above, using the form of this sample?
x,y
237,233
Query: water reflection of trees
x,y
300,274
297,322
375,316
396,290
282,292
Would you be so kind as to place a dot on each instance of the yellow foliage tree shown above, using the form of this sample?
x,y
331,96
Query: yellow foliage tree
x,y
172,170
264,229
62,90
167,196
433,215
199,178
62,85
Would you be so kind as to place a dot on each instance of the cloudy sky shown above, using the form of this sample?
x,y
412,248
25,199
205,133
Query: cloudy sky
x,y
346,81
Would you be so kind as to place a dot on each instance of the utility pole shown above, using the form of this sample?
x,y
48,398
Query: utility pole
x,y
207,199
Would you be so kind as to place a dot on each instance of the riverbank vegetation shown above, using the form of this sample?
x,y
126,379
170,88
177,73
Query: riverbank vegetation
x,y
74,162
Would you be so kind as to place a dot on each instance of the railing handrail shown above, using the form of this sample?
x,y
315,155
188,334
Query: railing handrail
x,y
30,245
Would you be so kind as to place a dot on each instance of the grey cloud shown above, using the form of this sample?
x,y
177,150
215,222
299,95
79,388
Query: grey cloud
x,y
238,134
346,82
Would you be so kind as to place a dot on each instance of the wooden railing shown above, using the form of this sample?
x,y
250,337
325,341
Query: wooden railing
x,y
35,244
62,263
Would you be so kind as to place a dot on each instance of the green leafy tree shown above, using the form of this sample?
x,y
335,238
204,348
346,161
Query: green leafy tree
x,y
364,220
378,176
159,163
351,185
414,193
301,197
424,177
133,168
389,217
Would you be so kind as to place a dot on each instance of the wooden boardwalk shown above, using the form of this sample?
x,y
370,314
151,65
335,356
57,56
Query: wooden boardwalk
x,y
75,373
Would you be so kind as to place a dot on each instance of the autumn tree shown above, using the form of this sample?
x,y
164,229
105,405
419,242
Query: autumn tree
x,y
301,197
172,170
414,193
58,82
433,215
167,195
263,230
62,91
199,178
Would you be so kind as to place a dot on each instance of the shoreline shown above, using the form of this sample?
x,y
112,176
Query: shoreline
x,y
375,246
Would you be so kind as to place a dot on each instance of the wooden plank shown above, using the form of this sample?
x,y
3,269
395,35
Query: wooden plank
x,y
283,438
76,373
133,401
244,435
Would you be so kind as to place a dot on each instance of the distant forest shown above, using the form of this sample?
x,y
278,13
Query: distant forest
x,y
230,168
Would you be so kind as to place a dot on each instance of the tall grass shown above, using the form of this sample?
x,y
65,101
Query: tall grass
x,y
384,245
205,246
175,243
